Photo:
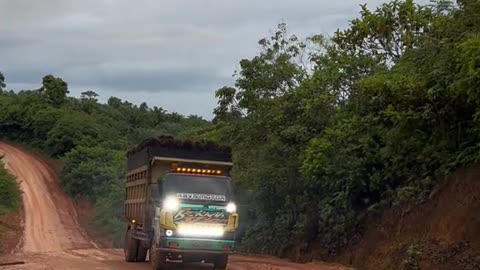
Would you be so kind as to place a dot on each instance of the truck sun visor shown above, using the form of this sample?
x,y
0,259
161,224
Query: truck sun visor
x,y
203,197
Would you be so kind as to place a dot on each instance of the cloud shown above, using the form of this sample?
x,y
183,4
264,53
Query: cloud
x,y
151,46
149,79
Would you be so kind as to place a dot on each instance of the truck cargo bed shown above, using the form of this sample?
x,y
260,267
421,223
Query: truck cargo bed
x,y
169,147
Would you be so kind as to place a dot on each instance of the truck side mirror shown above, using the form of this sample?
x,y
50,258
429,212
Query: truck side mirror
x,y
166,220
232,224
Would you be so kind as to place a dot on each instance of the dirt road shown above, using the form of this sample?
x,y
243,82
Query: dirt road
x,y
53,238
50,216
113,260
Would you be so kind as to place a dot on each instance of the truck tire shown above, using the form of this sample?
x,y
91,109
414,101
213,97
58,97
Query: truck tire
x,y
130,247
221,262
141,253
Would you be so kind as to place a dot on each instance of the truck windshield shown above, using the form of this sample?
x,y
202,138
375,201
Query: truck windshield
x,y
198,188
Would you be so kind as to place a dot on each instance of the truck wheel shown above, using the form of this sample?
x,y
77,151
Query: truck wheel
x,y
141,254
221,262
130,247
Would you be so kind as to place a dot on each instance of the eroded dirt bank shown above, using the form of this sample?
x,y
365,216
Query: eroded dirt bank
x,y
441,234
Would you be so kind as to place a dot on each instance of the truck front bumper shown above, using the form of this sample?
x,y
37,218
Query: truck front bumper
x,y
195,245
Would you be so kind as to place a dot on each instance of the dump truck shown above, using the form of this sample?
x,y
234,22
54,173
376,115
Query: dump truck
x,y
179,203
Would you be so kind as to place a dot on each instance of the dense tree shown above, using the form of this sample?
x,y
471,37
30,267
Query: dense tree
x,y
387,32
72,130
2,82
83,178
114,102
88,101
55,89
271,74
89,95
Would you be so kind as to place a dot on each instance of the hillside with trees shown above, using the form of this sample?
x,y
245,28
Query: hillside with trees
x,y
328,130
90,139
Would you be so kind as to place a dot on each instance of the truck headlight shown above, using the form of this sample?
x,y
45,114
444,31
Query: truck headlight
x,y
231,207
171,203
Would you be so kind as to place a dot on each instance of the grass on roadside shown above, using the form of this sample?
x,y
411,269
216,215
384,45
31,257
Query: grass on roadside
x,y
10,196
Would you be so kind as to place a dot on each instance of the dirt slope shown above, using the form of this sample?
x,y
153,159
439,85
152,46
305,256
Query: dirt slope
x,y
11,230
53,238
50,216
441,234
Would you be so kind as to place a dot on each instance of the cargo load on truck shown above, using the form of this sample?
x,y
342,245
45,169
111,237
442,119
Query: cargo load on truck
x,y
179,203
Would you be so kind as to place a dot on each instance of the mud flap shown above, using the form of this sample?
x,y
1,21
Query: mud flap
x,y
158,259
130,247
220,262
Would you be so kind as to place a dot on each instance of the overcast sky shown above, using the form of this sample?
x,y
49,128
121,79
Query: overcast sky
x,y
172,54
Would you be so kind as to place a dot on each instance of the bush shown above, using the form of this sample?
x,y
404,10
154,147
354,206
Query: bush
x,y
89,172
10,197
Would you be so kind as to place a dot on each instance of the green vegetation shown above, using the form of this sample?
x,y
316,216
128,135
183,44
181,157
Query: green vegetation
x,y
10,199
376,116
410,262
90,138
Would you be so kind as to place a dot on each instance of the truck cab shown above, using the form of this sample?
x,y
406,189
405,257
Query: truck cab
x,y
182,210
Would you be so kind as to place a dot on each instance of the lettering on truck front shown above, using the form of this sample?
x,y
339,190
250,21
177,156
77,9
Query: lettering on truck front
x,y
188,215
203,197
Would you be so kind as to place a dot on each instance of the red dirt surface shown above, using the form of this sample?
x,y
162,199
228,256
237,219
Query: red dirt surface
x,y
54,239
113,260
441,234
50,216
11,231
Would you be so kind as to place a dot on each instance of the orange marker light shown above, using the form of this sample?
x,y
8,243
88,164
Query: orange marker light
x,y
202,171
